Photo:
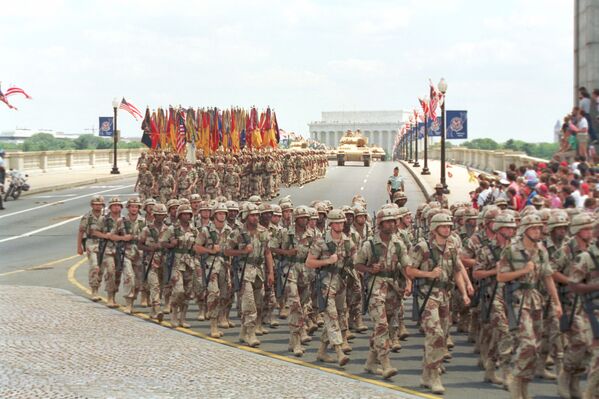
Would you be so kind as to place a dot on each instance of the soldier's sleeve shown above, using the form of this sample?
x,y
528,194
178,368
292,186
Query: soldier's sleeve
x,y
98,224
166,235
285,239
143,235
559,260
404,258
546,269
505,264
468,249
275,239
83,223
317,248
580,268
481,260
202,237
417,255
233,240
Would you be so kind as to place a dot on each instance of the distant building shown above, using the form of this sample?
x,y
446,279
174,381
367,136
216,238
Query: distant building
x,y
19,135
380,127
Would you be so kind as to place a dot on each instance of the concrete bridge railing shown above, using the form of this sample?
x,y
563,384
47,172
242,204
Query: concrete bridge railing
x,y
44,161
486,160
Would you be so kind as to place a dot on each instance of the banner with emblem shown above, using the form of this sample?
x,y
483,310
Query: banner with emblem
x,y
456,125
106,126
434,127
420,130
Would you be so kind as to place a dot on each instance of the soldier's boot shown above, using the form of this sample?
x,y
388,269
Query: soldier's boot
x,y
260,330
436,384
272,321
174,315
295,345
372,364
345,345
304,337
201,311
167,301
129,306
394,335
425,378
251,337
283,312
550,361
158,312
563,384
342,358
183,316
322,354
312,327
319,320
144,299
360,326
230,322
575,391
490,375
525,394
507,376
222,320
214,331
243,334
592,390
403,332
388,371
515,388
450,343
95,296
350,335
541,370
111,302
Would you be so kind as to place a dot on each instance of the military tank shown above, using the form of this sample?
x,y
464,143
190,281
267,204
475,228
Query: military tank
x,y
353,147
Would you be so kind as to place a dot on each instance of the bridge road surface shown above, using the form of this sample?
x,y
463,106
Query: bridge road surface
x,y
37,247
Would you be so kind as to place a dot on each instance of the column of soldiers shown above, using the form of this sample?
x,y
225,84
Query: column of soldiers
x,y
525,287
236,176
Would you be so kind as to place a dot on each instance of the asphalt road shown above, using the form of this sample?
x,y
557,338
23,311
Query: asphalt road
x,y
37,247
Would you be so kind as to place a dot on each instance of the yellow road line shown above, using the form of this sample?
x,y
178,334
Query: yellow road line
x,y
73,280
39,266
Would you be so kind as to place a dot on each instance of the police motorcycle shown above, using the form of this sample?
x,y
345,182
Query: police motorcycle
x,y
18,184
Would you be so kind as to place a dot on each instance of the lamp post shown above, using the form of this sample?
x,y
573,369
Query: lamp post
x,y
442,86
409,132
115,106
416,164
425,170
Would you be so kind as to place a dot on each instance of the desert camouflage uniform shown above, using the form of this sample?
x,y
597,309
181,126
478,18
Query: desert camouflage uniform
x,y
95,272
132,262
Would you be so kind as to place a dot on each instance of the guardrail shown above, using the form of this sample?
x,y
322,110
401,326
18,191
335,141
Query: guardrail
x,y
486,160
44,161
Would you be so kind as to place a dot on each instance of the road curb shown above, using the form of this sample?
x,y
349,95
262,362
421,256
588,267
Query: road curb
x,y
77,183
424,187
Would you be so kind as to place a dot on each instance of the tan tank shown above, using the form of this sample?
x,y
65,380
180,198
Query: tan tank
x,y
353,147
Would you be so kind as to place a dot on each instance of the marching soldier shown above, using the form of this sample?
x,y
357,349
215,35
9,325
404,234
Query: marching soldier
x,y
171,207
359,233
145,182
130,228
211,182
524,264
439,197
384,258
232,183
88,243
436,262
166,185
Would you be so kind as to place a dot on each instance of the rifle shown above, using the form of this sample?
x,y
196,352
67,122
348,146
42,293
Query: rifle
x,y
565,322
119,257
210,270
322,301
246,239
235,270
428,295
486,313
513,321
375,258
281,285
415,299
168,270
149,266
590,307
101,250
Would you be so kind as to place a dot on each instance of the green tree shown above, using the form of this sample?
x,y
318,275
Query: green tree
x,y
47,142
481,144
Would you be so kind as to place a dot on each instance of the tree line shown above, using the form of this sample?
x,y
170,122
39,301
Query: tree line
x,y
537,150
47,142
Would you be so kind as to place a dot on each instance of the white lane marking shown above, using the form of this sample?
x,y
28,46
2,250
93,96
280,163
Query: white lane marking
x,y
62,201
55,196
40,230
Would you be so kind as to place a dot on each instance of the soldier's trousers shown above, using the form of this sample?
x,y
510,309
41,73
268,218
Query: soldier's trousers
x,y
252,294
182,283
578,341
95,272
334,314
129,278
295,291
269,303
217,290
384,302
199,283
111,282
354,299
552,337
165,195
529,343
435,322
154,283
501,344
138,268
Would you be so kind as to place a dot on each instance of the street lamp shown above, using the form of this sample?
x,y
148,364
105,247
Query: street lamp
x,y
115,106
425,170
410,141
416,164
442,86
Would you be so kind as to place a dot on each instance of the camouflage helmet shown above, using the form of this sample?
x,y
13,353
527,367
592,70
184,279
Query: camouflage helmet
x,y
184,201
285,199
97,200
572,212
313,213
558,219
459,212
133,201
385,214
328,204
205,206
470,213
490,213
441,219
545,214
528,221
195,198
580,222
183,169
360,211
149,201
276,210
285,205
221,198
504,220
232,206
221,207
500,201
265,208
403,211
527,210
438,186
301,211
255,199
347,209
336,215
321,208
184,209
115,201
399,195
251,209
172,202
159,209
537,200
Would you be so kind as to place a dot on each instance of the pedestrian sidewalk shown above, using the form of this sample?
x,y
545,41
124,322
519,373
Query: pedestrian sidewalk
x,y
458,179
56,345
61,179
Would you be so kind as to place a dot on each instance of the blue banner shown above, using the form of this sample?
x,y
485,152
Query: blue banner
x,y
420,130
434,127
106,126
457,125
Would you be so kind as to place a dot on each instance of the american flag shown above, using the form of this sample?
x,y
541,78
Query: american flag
x,y
5,101
125,106
424,105
181,135
436,100
16,90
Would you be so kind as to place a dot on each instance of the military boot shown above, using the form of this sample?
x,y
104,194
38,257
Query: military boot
x,y
158,312
305,338
201,311
295,345
515,388
563,384
221,321
372,364
311,327
319,320
174,316
507,376
111,303
350,335
449,342
322,354
167,301
592,390
183,316
436,384
394,336
541,370
214,331
260,330
342,358
425,379
272,321
490,375
388,371
575,391
129,306
403,332
251,337
524,386
95,296
243,335
144,299
360,326
283,312
345,345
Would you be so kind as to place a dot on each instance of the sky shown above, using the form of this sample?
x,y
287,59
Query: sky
x,y
509,63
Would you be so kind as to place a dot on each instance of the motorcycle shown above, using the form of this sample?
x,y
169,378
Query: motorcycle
x,y
18,184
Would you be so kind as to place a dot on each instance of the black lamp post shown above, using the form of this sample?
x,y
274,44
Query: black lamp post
x,y
410,140
425,170
442,86
416,164
115,106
